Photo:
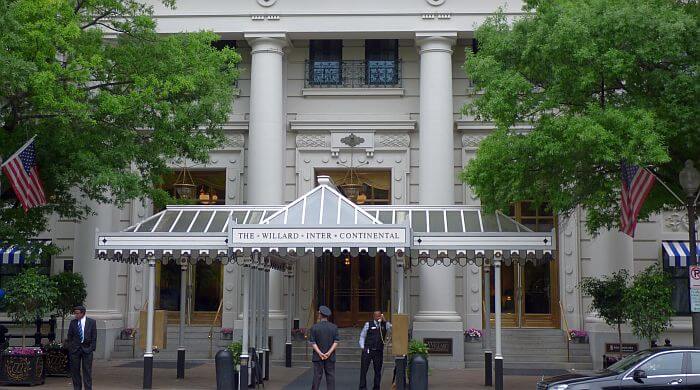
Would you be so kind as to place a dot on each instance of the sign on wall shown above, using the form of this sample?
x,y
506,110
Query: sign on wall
x,y
626,347
439,346
319,237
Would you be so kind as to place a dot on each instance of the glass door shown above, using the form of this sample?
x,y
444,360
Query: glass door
x,y
203,291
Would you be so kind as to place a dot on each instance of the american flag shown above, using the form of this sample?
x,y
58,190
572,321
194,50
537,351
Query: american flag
x,y
636,184
23,173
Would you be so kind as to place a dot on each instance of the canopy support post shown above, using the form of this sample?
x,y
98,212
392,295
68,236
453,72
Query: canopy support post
x,y
245,357
148,353
486,342
181,331
290,317
400,267
266,321
499,357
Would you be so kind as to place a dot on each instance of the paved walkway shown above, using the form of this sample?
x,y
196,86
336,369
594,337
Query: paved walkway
x,y
115,375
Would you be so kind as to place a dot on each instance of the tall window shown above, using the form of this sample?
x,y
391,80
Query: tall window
x,y
210,188
325,60
222,43
376,184
381,56
538,219
679,295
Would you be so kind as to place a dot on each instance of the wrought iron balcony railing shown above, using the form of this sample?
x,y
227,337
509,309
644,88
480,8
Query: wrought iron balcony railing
x,y
353,74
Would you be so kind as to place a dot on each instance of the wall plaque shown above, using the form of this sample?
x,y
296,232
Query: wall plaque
x,y
626,347
439,346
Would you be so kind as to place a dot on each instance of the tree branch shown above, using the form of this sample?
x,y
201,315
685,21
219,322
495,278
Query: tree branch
x,y
104,85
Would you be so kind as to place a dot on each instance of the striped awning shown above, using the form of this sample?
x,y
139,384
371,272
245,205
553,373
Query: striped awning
x,y
11,254
676,253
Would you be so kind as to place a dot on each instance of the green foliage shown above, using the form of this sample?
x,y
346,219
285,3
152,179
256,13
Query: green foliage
x,y
598,81
110,100
417,347
30,295
71,292
236,349
608,295
648,303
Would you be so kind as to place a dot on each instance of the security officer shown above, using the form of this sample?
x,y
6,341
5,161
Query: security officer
x,y
372,343
324,340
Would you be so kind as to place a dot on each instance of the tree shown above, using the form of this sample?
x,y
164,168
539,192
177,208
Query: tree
x,y
608,294
597,81
71,293
648,302
109,99
30,295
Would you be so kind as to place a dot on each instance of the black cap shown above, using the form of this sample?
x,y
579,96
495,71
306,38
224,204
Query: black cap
x,y
325,311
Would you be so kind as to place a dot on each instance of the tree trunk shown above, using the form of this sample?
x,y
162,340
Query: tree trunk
x,y
23,330
63,327
619,338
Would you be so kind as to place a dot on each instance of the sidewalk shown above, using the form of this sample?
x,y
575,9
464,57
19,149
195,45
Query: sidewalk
x,y
113,375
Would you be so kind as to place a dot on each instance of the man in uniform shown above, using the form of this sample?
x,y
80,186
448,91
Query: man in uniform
x,y
324,340
372,344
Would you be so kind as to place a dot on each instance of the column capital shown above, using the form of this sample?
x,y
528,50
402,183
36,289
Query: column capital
x,y
274,42
441,41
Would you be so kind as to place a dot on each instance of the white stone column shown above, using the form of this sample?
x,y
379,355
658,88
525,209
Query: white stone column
x,y
267,143
436,176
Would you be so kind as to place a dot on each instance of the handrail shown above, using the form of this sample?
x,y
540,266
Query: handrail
x,y
211,328
568,332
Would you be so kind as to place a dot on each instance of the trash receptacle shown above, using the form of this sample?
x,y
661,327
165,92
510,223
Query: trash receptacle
x,y
418,378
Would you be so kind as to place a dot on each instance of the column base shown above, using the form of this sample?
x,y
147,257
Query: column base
x,y
452,330
437,316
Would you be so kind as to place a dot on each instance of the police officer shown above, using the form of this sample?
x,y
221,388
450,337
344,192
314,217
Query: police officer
x,y
372,343
324,340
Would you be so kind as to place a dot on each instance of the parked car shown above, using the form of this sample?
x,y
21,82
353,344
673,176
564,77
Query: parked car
x,y
657,368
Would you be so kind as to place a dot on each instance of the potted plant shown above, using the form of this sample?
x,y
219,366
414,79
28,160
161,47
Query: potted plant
x,y
608,299
30,295
71,293
578,336
416,348
472,335
299,334
226,333
22,366
236,348
648,302
56,359
127,333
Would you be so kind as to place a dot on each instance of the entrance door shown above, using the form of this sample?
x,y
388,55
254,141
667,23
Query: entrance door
x,y
203,292
529,295
353,287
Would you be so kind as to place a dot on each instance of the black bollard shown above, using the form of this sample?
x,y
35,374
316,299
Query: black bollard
x,y
400,373
180,363
499,372
267,365
37,335
419,373
147,372
488,368
224,370
288,355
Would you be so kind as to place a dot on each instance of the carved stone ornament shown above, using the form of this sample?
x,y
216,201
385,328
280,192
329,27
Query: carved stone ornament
x,y
677,221
435,2
472,141
352,140
394,140
237,140
312,141
267,3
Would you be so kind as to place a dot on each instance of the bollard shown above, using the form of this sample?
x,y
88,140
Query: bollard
x,y
400,373
488,368
499,372
243,372
419,373
224,370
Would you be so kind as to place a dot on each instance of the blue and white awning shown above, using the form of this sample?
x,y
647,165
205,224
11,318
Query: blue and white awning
x,y
676,253
10,254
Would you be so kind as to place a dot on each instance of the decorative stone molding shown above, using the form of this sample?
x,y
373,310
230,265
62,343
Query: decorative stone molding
x,y
435,2
237,140
472,141
676,221
394,140
267,3
312,141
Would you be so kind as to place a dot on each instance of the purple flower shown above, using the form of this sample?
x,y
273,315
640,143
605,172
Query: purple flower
x,y
472,332
24,351
226,331
578,333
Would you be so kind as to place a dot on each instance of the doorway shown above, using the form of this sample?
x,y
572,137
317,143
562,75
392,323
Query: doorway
x,y
204,292
529,295
353,286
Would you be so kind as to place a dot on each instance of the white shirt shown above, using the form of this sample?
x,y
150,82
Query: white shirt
x,y
82,326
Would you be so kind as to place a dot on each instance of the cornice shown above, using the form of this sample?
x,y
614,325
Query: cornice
x,y
349,125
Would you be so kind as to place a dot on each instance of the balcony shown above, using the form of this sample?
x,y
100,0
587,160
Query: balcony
x,y
345,76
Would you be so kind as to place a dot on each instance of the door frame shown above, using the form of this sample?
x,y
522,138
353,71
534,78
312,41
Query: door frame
x,y
192,316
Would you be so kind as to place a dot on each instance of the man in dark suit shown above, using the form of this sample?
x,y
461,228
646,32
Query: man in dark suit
x,y
82,339
324,340
372,343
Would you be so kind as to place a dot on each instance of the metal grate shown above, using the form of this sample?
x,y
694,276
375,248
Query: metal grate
x,y
353,74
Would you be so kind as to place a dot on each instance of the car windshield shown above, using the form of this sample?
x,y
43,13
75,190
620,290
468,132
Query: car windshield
x,y
629,361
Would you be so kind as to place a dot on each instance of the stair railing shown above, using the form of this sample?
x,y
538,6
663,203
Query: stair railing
x,y
567,332
211,329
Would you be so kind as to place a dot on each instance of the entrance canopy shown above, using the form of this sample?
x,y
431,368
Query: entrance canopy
x,y
323,220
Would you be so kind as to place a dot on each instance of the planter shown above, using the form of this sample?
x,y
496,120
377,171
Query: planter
x,y
125,335
298,337
227,336
57,362
22,369
580,340
471,339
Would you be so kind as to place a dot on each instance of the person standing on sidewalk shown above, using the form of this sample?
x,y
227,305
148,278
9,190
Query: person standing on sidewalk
x,y
324,340
372,343
82,340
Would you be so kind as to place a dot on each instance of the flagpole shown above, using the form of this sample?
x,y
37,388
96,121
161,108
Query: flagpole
x,y
669,190
18,151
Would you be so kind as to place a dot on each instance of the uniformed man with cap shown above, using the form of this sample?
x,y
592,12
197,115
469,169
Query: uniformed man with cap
x,y
324,340
372,343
